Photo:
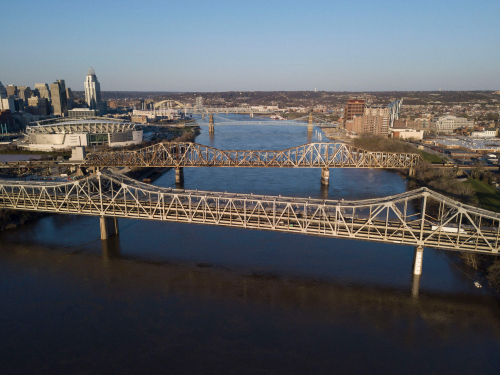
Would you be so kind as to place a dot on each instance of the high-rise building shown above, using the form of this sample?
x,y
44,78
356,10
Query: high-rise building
x,y
24,93
43,90
3,92
375,120
38,106
92,90
11,90
354,107
59,100
70,98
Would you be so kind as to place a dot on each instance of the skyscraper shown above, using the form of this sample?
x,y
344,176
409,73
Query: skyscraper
x,y
11,90
24,93
43,90
92,91
59,100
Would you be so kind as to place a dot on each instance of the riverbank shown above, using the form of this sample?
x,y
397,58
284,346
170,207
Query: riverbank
x,y
11,219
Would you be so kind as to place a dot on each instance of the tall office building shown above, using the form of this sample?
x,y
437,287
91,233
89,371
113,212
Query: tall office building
x,y
24,93
59,100
70,98
3,95
93,91
43,90
354,107
374,120
11,90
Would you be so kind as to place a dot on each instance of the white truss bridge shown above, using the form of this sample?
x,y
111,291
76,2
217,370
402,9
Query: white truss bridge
x,y
419,218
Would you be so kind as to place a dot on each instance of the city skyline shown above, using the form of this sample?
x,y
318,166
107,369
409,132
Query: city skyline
x,y
283,46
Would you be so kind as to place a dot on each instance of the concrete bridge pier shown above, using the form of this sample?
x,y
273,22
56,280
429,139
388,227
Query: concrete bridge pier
x,y
417,260
415,285
325,176
109,226
310,124
251,114
179,175
211,128
203,116
411,172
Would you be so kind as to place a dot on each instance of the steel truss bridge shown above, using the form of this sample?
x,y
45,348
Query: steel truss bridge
x,y
310,155
236,110
420,217
307,120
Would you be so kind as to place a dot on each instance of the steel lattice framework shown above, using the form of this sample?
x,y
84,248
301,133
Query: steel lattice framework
x,y
420,217
310,155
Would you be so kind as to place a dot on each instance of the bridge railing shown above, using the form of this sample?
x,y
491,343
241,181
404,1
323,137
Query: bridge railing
x,y
420,217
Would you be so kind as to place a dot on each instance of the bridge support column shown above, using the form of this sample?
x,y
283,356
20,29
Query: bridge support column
x,y
325,176
415,285
251,114
179,175
109,227
411,172
310,124
211,128
203,116
417,260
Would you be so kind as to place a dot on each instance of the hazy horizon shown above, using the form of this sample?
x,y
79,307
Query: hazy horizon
x,y
195,46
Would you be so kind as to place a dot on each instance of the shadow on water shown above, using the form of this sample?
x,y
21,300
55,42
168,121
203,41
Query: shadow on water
x,y
324,299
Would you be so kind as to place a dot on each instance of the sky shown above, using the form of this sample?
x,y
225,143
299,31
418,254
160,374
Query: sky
x,y
239,45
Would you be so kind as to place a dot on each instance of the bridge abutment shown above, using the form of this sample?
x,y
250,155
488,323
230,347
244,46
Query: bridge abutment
x,y
109,226
179,175
325,176
417,260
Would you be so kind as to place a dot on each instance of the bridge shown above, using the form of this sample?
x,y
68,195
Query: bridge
x,y
309,120
311,155
417,218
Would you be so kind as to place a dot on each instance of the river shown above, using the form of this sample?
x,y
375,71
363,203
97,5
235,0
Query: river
x,y
183,298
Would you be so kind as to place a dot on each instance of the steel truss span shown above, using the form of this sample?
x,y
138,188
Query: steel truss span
x,y
311,155
419,218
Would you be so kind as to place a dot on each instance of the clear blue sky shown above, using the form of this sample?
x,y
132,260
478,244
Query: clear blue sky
x,y
349,45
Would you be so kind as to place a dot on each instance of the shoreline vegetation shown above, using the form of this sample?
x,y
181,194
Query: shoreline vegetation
x,y
475,190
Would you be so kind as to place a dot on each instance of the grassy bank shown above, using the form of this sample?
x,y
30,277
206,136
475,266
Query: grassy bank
x,y
430,158
487,195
